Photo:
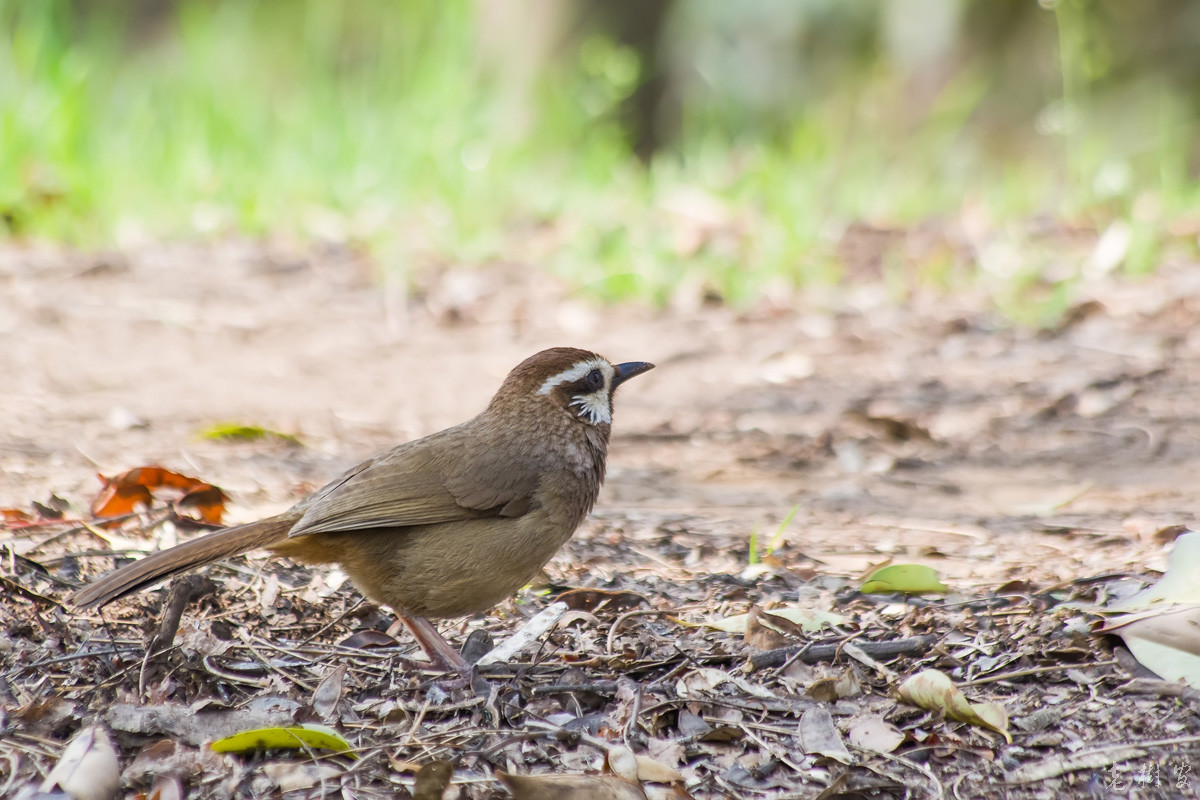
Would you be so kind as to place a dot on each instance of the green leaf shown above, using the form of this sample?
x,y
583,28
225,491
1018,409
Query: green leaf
x,y
236,431
307,736
903,578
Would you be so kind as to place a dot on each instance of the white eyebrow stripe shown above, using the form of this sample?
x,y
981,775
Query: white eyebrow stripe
x,y
576,372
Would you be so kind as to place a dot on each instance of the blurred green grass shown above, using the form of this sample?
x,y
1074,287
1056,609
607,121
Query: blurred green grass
x,y
382,126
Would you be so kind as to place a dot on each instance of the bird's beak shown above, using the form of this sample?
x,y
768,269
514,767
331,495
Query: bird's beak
x,y
628,370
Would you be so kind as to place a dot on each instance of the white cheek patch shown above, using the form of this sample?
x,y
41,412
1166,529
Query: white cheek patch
x,y
592,407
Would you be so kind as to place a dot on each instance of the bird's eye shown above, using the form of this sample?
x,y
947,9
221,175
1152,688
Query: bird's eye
x,y
595,379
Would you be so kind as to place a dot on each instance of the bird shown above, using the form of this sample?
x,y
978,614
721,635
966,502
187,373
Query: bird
x,y
446,525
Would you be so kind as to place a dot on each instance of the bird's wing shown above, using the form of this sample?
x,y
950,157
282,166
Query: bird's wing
x,y
420,484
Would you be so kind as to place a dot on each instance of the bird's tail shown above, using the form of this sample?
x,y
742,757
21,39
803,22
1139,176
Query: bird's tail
x,y
183,557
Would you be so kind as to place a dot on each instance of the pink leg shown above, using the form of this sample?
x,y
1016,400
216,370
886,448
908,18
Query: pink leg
x,y
441,653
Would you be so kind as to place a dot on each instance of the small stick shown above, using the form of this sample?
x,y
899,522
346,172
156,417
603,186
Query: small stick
x,y
815,653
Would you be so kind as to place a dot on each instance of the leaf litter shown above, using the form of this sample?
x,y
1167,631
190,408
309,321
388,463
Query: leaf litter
x,y
1037,474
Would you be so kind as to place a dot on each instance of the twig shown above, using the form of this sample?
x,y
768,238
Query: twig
x,y
1022,673
182,592
816,653
1163,689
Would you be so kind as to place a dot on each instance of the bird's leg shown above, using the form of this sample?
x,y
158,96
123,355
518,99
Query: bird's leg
x,y
441,653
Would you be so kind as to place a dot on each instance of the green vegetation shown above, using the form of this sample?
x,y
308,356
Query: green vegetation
x,y
384,126
759,550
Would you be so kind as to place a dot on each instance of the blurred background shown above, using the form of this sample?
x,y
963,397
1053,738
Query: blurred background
x,y
663,152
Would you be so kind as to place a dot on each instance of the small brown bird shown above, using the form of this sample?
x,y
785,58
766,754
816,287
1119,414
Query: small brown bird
x,y
447,525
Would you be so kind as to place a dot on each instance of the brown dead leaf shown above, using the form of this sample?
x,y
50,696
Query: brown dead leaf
x,y
655,771
368,638
593,599
760,636
570,787
819,736
15,515
207,500
835,687
329,692
432,780
123,493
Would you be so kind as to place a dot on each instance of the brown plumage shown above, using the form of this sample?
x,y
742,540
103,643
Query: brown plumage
x,y
450,524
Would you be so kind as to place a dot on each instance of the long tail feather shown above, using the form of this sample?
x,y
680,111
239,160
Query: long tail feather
x,y
181,558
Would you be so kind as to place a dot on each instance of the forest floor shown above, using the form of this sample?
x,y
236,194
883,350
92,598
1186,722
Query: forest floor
x,y
1040,472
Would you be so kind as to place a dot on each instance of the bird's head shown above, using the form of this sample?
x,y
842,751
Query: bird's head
x,y
579,382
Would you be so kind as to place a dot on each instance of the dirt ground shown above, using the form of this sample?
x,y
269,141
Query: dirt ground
x,y
919,430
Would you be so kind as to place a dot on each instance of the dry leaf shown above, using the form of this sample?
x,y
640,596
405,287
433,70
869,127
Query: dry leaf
x,y
123,493
593,599
875,734
1163,630
291,776
934,691
329,692
623,762
1167,642
762,637
165,787
88,768
649,769
570,787
818,736
432,780
808,619
1177,585
530,632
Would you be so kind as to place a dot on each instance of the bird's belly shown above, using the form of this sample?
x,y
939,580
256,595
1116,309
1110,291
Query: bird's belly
x,y
444,570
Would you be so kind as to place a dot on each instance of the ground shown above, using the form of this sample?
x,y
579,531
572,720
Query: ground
x,y
1035,470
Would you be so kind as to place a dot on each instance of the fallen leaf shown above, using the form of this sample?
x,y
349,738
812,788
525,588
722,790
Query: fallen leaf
x,y
831,688
593,599
165,787
123,493
291,776
432,780
762,636
368,638
310,736
654,771
329,692
934,691
809,619
207,500
570,787
531,631
1177,585
623,762
875,734
1162,630
88,768
818,736
233,431
15,515
903,578
1166,641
